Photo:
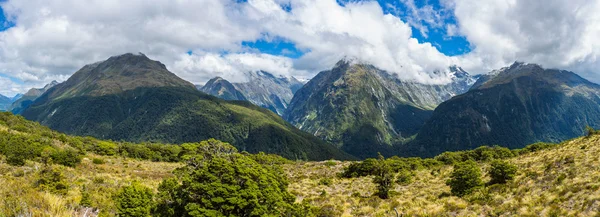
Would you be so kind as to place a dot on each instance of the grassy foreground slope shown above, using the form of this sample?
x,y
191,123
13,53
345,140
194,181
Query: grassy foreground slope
x,y
551,180
563,180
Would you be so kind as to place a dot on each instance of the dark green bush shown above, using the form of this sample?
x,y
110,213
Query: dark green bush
x,y
85,201
483,153
465,177
220,182
384,178
105,148
502,172
98,161
134,200
359,169
67,157
325,181
51,179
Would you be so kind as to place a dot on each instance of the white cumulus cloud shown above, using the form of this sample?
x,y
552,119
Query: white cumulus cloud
x,y
51,39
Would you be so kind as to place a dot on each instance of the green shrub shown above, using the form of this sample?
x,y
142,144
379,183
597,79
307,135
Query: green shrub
x,y
220,182
134,200
98,161
105,148
589,131
483,153
330,163
465,177
502,172
325,181
359,169
67,157
384,178
51,179
85,201
404,177
536,147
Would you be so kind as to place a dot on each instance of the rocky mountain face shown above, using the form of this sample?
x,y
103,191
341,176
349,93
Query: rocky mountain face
x,y
133,98
512,107
26,99
351,107
262,88
428,96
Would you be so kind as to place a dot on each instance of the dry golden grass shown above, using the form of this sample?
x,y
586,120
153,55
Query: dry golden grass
x,y
561,181
20,197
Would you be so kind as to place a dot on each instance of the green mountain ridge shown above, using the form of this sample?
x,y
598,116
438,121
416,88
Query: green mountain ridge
x,y
133,98
351,108
118,74
512,107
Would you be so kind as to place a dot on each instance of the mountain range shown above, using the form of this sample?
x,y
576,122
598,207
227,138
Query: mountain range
x,y
26,99
352,110
6,102
365,110
261,88
133,98
512,107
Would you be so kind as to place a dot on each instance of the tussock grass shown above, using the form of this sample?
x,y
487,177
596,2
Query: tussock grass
x,y
559,181
563,180
20,197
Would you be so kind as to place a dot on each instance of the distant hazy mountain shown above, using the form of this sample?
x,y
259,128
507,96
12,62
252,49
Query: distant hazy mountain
x,y
262,89
16,97
428,96
133,98
512,107
26,99
223,89
4,102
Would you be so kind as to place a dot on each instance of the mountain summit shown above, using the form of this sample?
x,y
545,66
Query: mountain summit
x,y
514,106
350,106
365,110
118,74
133,98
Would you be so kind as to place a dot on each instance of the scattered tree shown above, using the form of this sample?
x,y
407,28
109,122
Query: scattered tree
x,y
384,178
218,181
465,177
502,172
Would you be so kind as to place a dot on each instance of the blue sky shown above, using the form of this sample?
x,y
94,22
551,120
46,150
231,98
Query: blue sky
x,y
3,23
437,36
